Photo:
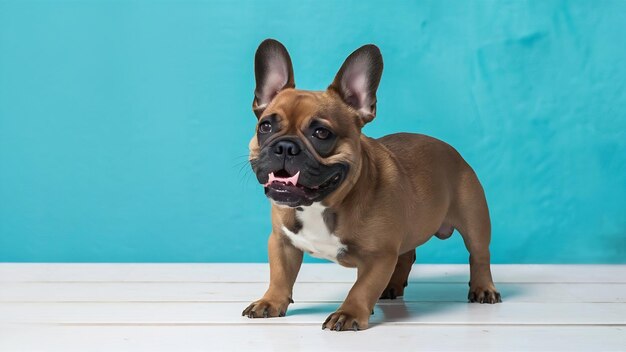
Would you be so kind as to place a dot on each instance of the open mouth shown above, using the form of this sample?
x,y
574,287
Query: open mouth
x,y
283,181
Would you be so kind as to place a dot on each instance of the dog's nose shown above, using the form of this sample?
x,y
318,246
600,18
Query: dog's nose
x,y
286,147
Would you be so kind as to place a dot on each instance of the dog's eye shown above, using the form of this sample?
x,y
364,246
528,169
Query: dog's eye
x,y
265,127
321,133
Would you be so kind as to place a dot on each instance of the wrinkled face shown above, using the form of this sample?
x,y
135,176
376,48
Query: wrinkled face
x,y
307,144
303,148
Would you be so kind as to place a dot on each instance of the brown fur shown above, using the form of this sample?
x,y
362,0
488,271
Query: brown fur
x,y
400,191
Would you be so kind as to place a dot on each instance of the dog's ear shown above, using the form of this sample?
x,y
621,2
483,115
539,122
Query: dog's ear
x,y
273,72
357,80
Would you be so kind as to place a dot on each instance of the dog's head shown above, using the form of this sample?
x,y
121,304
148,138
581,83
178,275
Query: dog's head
x,y
307,143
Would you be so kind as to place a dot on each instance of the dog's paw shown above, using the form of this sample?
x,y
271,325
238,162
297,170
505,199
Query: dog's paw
x,y
267,308
343,320
393,291
484,295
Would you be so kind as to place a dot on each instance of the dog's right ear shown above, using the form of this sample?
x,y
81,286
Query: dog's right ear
x,y
273,72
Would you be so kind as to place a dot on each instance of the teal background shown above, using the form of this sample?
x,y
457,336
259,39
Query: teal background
x,y
124,124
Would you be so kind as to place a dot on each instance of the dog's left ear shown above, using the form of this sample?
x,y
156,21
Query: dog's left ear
x,y
273,72
357,80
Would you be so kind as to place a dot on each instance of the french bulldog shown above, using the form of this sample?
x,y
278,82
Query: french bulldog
x,y
360,202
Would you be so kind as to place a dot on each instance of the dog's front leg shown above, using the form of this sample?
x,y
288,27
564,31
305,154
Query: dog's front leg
x,y
373,274
285,261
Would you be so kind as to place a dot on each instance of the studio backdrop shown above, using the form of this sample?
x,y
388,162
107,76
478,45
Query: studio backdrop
x,y
124,125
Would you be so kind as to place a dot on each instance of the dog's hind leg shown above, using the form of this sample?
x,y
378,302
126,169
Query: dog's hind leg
x,y
473,223
399,279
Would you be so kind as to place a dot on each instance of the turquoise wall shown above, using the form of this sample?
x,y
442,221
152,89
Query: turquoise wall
x,y
124,124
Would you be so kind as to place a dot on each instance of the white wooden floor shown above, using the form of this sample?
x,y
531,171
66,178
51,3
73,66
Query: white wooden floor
x,y
197,307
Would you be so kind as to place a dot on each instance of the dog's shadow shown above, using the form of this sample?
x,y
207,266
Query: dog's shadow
x,y
423,297
428,298
318,308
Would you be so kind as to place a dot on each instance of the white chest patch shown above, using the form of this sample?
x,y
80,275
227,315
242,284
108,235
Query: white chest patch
x,y
314,236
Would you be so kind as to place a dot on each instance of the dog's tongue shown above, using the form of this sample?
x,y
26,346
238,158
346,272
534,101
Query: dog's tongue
x,y
286,180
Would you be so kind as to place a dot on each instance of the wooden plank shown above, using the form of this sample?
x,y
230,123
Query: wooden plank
x,y
511,273
397,312
303,292
72,307
310,338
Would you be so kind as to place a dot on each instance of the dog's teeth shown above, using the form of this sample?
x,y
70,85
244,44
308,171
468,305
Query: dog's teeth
x,y
270,178
293,179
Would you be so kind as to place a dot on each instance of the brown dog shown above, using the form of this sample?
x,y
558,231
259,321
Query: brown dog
x,y
360,202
